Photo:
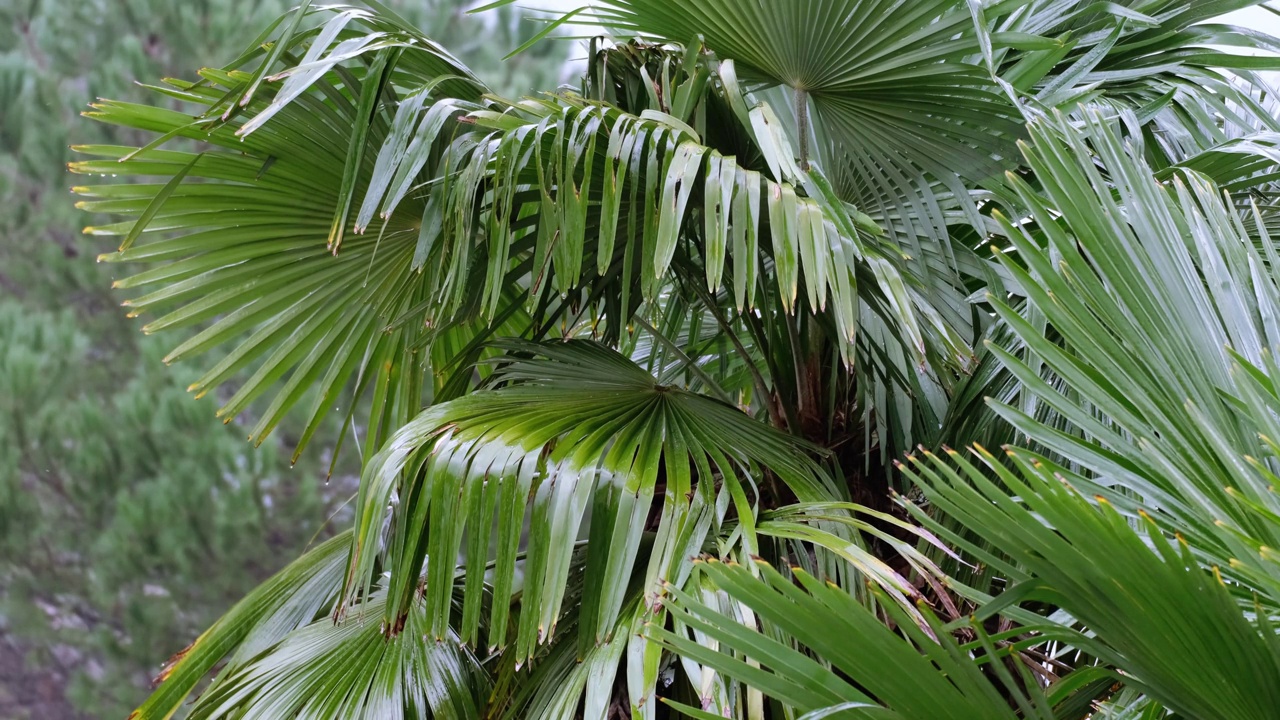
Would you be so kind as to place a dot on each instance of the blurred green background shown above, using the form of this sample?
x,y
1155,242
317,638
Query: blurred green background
x,y
130,517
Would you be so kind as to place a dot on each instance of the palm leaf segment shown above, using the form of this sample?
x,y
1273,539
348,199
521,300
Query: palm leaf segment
x,y
1163,310
237,232
571,428
887,80
1162,380
889,99
580,429
484,217
432,203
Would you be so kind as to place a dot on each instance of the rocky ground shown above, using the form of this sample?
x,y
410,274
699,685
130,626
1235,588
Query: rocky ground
x,y
28,693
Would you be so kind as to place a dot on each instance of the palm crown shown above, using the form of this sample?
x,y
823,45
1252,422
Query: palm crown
x,y
631,364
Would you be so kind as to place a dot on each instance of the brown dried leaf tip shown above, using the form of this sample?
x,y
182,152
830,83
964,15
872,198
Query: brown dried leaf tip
x,y
169,665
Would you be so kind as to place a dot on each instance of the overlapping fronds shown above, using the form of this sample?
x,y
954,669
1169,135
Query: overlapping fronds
x,y
892,676
1145,522
1164,308
579,429
807,186
1169,626
485,217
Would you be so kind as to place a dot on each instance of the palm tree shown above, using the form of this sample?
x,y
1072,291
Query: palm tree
x,y
630,365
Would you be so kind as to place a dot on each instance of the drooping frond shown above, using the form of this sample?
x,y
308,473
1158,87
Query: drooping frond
x,y
887,81
352,670
886,98
579,429
484,217
892,676
1145,529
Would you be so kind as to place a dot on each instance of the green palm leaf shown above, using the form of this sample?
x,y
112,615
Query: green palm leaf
x,y
243,253
580,428
885,79
895,677
777,210
1151,610
293,598
352,670
1151,282
582,208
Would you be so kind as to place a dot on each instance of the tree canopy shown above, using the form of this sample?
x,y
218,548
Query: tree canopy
x,y
653,380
